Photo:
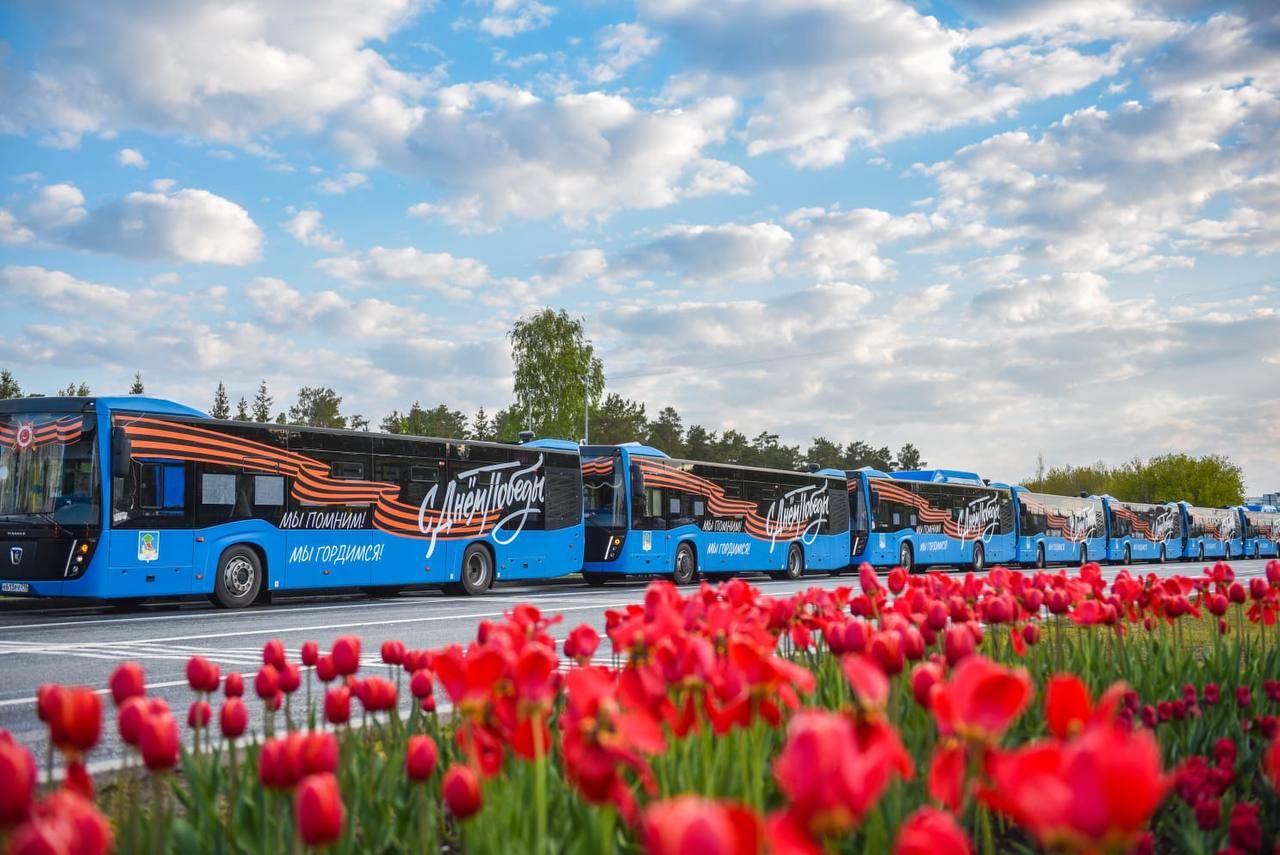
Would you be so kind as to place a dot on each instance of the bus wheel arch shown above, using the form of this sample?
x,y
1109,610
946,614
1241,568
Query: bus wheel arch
x,y
477,571
795,561
685,567
978,562
1040,562
241,576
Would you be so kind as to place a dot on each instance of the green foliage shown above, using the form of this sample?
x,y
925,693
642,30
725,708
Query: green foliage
x,y
617,420
242,410
666,432
1209,481
317,407
221,408
438,421
75,391
556,372
262,404
9,387
137,388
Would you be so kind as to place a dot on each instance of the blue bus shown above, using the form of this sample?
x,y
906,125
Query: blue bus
x,y
929,516
1261,531
1211,532
129,498
1142,531
647,513
1059,529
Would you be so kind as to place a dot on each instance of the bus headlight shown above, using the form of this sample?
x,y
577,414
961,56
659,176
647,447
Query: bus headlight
x,y
611,551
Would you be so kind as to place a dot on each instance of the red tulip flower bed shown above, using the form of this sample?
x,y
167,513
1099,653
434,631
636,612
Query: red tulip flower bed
x,y
924,714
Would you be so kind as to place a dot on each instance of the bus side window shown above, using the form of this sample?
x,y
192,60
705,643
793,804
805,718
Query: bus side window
x,y
154,494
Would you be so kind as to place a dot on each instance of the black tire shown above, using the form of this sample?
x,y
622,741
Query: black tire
x,y
1128,556
1039,556
979,562
907,558
1084,554
1164,554
1200,554
1228,558
130,604
476,572
595,580
795,562
685,569
239,578
1257,552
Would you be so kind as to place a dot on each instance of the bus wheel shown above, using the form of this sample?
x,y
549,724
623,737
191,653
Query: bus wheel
x,y
795,562
1040,556
239,578
686,566
979,562
1257,552
1228,552
595,580
1084,555
1164,555
1125,561
477,572
907,558
1200,554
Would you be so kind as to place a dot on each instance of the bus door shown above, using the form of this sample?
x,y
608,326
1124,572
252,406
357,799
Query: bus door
x,y
647,544
859,518
152,542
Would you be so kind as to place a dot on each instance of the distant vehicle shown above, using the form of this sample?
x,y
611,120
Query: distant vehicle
x,y
1059,529
930,516
647,513
1211,532
127,498
1139,531
1261,533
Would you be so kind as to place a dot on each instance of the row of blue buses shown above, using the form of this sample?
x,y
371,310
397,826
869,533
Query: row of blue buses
x,y
130,498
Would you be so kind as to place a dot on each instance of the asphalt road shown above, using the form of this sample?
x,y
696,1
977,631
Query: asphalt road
x,y
81,645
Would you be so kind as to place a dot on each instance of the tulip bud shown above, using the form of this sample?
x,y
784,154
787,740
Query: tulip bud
x,y
17,780
158,742
267,683
1273,572
886,650
897,580
318,812
461,791
923,678
325,670
290,678
310,653
393,652
337,705
957,643
420,683
75,721
346,655
420,757
581,644
127,681
1211,693
199,714
1031,634
233,685
202,675
273,654
1244,696
1208,814
234,718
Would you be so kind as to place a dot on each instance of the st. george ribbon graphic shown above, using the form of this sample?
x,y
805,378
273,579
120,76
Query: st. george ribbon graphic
x,y
470,497
805,506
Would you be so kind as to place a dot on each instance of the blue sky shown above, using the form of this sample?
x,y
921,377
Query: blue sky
x,y
994,229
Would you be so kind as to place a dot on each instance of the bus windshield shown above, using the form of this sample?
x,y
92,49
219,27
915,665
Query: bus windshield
x,y
48,470
605,495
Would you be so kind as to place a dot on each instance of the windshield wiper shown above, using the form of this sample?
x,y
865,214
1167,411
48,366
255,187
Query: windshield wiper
x,y
38,514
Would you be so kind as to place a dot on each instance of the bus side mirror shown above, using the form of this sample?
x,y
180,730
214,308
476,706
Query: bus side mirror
x,y
121,453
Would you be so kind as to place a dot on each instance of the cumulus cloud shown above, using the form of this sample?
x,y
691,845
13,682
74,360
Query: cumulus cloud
x,y
841,244
131,157
305,227
188,225
725,253
56,206
13,233
344,183
441,272
619,47
57,290
283,306
506,18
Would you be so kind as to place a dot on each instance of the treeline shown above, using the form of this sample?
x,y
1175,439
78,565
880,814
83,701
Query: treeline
x,y
1210,481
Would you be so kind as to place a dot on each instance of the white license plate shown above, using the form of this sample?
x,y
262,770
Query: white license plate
x,y
15,588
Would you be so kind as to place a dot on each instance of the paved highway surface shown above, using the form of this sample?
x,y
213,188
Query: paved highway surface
x,y
80,645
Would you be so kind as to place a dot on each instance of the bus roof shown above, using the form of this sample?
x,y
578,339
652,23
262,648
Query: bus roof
x,y
75,404
940,476
553,444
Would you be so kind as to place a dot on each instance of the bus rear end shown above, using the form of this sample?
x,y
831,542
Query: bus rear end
x,y
50,498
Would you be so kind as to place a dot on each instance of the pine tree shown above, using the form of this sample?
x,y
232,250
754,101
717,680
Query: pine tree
x,y
221,408
137,388
242,410
482,427
74,390
262,404
9,387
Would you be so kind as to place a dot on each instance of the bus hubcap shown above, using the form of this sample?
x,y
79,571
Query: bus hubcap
x,y
477,570
238,576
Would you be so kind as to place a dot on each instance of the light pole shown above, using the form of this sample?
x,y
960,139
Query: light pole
x,y
586,400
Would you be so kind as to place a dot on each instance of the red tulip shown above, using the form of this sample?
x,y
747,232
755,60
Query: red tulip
x,y
199,714
135,710
126,681
930,831
376,694
690,824
158,742
337,705
420,757
280,762
420,683
233,685
1031,634
290,678
1271,761
461,791
273,654
867,577
267,683
318,813
234,718
581,644
957,643
393,652
346,655
886,649
17,780
870,685
65,822
202,675
310,653
981,699
325,669
923,678
1067,706
47,700
75,718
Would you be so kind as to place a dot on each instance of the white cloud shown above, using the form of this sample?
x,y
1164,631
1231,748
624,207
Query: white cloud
x,y
845,244
343,183
501,152
619,47
57,290
131,157
507,18
571,268
13,233
189,225
164,185
441,272
285,307
724,253
56,206
306,229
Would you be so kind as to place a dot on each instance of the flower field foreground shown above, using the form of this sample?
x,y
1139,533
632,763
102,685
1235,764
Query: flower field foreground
x,y
929,714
